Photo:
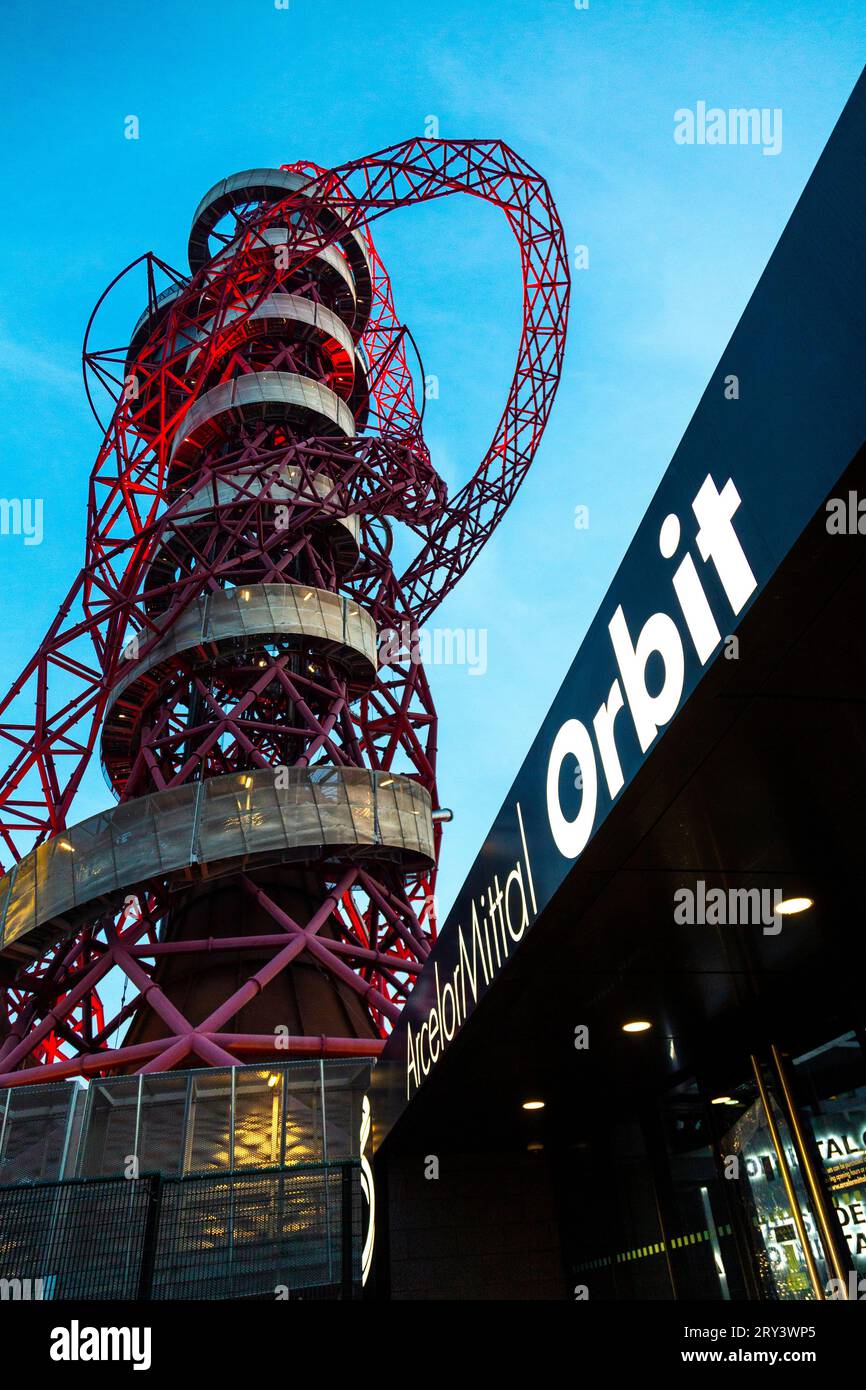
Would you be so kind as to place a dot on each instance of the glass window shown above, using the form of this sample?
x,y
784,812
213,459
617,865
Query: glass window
x,y
780,1262
831,1091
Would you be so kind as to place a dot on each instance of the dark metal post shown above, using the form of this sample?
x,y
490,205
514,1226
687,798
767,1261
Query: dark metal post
x,y
151,1232
832,1239
347,1229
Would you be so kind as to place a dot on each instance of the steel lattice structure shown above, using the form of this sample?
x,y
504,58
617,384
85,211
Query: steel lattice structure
x,y
265,882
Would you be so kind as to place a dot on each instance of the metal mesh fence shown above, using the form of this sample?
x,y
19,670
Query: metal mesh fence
x,y
79,1239
262,1234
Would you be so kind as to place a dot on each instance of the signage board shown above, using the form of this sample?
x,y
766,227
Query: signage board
x,y
781,419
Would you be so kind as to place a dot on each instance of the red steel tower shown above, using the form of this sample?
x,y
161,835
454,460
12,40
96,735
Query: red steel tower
x,y
264,885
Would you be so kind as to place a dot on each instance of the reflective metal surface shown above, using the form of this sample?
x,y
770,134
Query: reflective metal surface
x,y
269,186
334,625
204,829
264,396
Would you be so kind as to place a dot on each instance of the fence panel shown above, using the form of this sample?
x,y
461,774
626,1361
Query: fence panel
x,y
266,1234
83,1239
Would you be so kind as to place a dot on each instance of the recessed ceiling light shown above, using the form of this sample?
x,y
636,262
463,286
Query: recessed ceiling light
x,y
637,1025
533,1105
790,905
722,1100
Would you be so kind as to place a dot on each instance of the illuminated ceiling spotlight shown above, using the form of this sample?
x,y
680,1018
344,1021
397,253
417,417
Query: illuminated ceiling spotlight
x,y
637,1025
723,1100
788,906
533,1105
535,1148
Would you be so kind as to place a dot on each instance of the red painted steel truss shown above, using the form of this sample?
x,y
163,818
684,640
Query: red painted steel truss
x,y
174,515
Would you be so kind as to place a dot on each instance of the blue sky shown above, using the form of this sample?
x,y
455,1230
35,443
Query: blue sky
x,y
677,238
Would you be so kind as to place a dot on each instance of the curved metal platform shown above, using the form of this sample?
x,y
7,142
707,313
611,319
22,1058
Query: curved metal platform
x,y
146,322
271,186
328,266
276,396
332,273
284,485
271,316
230,490
206,829
336,626
220,623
